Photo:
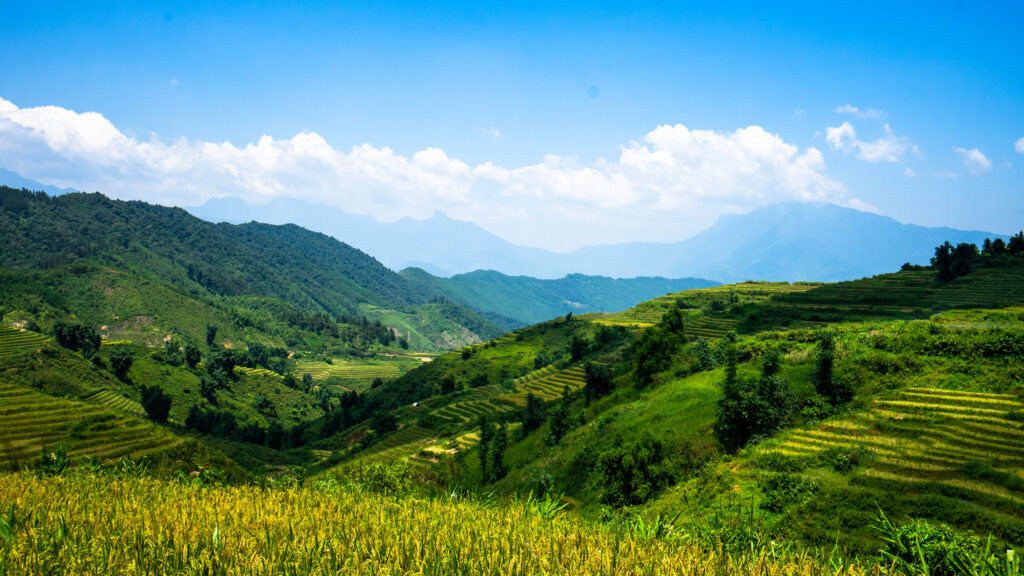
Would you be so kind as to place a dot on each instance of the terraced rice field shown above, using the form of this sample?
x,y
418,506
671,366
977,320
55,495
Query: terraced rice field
x,y
923,439
708,327
402,443
368,369
116,402
13,341
31,421
546,384
256,371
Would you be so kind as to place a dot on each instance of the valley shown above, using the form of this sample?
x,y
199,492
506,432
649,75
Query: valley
x,y
170,355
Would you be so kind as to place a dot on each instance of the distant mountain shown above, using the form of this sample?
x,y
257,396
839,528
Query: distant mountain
x,y
438,244
790,241
514,301
784,242
15,180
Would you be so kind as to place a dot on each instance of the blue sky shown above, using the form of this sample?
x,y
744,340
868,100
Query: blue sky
x,y
539,121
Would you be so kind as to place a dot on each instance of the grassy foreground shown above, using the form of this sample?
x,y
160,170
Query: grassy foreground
x,y
96,523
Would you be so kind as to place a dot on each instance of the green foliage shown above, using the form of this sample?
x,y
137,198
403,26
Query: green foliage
x,y
632,473
121,359
156,403
748,410
192,355
558,421
53,462
77,337
782,490
836,390
533,415
598,379
920,547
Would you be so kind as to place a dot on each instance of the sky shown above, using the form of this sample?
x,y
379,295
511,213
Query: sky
x,y
556,125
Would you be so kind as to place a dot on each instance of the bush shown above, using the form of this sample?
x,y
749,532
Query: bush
x,y
783,490
633,473
919,547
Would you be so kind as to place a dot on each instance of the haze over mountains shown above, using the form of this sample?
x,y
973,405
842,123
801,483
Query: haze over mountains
x,y
785,242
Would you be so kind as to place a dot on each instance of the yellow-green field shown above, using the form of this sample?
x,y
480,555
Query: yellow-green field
x,y
91,524
31,421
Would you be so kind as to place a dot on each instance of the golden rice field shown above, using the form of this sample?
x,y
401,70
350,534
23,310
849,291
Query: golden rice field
x,y
91,524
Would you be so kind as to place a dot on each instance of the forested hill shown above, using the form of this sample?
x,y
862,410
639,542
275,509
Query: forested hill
x,y
516,301
309,270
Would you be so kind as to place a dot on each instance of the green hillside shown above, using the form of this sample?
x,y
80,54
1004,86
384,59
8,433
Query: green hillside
x,y
517,301
932,430
145,270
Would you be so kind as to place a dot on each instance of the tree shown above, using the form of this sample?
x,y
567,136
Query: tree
x,y
172,353
577,348
772,401
533,415
943,261
486,434
653,354
1016,244
632,473
77,337
258,354
208,388
121,360
192,356
307,382
558,425
496,453
732,427
824,378
598,379
211,335
705,355
156,403
674,321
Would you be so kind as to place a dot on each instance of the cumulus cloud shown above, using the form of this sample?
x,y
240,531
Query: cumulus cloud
x,y
855,111
888,148
664,187
974,160
1019,146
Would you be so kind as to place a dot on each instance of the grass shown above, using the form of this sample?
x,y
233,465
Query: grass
x,y
88,524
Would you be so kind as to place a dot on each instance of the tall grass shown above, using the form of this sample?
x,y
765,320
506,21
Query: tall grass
x,y
92,523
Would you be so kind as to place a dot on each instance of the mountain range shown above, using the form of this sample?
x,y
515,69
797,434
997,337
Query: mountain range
x,y
783,242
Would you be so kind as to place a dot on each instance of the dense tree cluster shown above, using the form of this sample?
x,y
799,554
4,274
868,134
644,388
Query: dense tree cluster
x,y
78,337
952,262
631,473
156,403
749,410
654,350
598,381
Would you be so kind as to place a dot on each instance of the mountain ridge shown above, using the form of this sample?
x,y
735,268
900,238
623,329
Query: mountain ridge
x,y
794,241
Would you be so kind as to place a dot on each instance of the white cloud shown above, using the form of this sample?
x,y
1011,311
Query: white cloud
x,y
855,111
974,160
665,187
1019,146
888,148
909,173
